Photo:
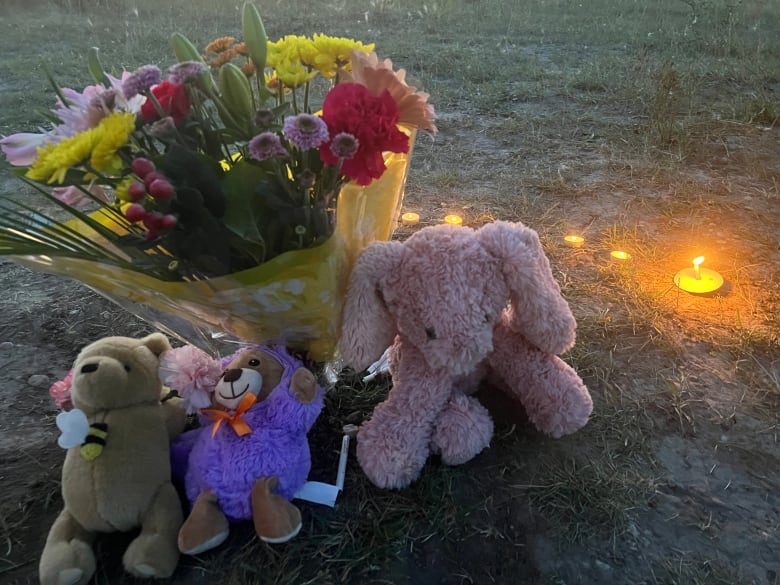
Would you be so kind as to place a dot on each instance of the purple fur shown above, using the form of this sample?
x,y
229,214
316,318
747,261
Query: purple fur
x,y
277,446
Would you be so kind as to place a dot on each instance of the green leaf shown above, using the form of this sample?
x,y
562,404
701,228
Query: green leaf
x,y
51,118
245,184
95,67
55,86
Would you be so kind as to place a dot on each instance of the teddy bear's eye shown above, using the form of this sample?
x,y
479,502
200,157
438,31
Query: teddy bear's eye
x,y
127,368
254,362
430,332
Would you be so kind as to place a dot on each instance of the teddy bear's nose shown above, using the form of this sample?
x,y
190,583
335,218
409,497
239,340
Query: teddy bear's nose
x,y
232,375
89,368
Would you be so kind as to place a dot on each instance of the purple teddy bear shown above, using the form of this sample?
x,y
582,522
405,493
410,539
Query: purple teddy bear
x,y
253,457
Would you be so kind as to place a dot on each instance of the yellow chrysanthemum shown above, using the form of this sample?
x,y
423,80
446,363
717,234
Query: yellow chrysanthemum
x,y
284,57
54,160
97,145
288,49
114,132
326,54
293,73
291,55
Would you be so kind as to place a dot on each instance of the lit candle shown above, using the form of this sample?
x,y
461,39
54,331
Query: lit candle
x,y
574,241
620,255
697,279
410,218
453,219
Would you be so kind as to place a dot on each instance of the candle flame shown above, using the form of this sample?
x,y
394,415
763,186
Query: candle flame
x,y
698,260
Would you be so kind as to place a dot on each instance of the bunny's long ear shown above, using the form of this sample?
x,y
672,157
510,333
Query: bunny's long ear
x,y
538,310
368,328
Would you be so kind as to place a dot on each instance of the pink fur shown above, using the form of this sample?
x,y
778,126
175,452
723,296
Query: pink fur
x,y
442,297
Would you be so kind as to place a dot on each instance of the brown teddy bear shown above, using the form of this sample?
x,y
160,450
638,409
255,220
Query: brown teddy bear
x,y
116,474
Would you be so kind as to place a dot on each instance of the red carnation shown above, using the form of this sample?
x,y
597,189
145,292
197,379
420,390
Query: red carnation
x,y
350,108
173,99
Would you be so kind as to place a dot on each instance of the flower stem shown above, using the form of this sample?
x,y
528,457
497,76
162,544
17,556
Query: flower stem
x,y
294,101
160,111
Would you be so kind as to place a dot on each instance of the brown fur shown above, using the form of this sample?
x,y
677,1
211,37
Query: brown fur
x,y
128,484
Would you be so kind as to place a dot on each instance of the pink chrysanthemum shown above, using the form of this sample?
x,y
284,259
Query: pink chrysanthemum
x,y
83,110
192,373
305,131
266,145
60,392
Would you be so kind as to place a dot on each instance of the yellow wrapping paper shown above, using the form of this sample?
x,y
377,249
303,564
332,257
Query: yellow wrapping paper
x,y
296,298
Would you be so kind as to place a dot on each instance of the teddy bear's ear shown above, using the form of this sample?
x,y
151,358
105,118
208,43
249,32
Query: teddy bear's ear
x,y
368,328
538,310
157,343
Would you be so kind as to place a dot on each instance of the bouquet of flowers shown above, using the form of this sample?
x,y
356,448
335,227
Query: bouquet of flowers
x,y
224,198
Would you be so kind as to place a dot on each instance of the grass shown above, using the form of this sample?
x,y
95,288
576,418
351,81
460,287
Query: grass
x,y
686,569
645,126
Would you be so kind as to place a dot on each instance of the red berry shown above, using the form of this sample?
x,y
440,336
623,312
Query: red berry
x,y
168,222
152,177
135,212
150,235
152,220
161,189
136,191
142,166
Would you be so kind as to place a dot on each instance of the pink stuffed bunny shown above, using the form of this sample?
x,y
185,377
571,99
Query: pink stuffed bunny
x,y
441,299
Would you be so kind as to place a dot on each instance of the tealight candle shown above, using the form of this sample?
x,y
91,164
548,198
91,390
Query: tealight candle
x,y
453,219
697,279
620,255
410,218
574,241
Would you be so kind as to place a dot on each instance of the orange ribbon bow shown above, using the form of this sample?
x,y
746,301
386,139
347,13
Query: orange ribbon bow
x,y
237,423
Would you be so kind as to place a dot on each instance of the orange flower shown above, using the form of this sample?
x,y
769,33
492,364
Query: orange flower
x,y
241,49
378,76
220,44
248,68
222,58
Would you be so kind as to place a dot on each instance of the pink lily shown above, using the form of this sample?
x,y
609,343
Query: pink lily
x,y
21,149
